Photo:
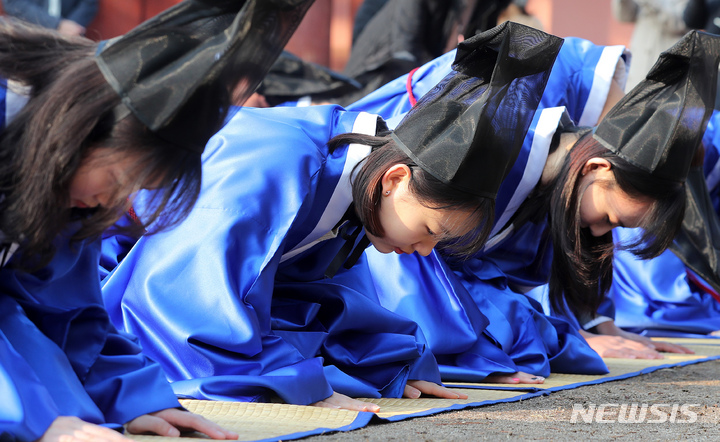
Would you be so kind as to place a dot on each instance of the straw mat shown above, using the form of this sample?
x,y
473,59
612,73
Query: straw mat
x,y
265,421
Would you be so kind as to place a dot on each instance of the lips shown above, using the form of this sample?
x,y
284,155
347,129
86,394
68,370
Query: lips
x,y
399,251
79,204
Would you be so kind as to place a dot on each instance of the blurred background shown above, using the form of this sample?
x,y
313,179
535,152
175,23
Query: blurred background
x,y
325,35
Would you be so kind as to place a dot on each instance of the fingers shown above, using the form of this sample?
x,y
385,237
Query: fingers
x,y
411,392
629,353
516,378
185,420
148,423
619,347
415,388
341,401
671,348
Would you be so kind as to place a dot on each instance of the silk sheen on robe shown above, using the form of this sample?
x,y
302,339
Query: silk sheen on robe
x,y
59,354
657,296
475,321
233,302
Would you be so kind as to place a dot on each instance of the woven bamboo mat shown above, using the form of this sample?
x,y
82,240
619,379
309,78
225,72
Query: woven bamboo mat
x,y
264,421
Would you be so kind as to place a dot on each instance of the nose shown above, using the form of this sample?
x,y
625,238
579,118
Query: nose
x,y
103,199
425,247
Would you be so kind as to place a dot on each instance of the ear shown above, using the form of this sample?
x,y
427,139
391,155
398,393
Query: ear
x,y
395,176
598,166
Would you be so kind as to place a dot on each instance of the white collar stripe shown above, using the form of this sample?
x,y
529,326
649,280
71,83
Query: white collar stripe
x,y
341,198
603,77
542,137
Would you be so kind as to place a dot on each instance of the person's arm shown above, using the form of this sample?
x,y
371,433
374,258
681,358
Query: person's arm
x,y
31,11
28,409
609,328
210,280
83,12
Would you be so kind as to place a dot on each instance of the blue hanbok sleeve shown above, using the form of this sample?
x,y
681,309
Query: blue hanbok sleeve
x,y
63,333
199,295
28,408
368,351
475,325
656,294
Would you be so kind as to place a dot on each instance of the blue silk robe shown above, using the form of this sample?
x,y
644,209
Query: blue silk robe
x,y
656,296
472,315
59,354
233,302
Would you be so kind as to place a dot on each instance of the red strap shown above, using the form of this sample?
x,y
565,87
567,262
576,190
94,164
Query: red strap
x,y
695,279
408,86
133,216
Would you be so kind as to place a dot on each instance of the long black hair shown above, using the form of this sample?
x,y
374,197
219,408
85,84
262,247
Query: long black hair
x,y
69,114
581,272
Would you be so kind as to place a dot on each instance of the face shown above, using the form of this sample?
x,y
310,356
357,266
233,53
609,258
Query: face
x,y
604,205
410,226
101,177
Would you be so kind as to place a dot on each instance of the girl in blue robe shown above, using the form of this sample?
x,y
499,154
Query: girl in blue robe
x,y
501,336
662,296
234,302
72,156
477,299
59,354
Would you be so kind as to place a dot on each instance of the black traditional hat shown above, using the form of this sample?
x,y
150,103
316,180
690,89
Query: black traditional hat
x,y
291,78
179,71
468,130
658,125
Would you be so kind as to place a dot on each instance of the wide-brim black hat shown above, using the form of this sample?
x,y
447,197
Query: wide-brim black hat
x,y
467,131
659,124
179,72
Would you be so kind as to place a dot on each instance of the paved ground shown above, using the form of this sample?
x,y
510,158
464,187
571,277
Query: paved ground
x,y
697,387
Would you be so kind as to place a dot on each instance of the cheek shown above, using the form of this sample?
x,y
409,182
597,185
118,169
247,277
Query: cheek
x,y
584,213
80,185
589,212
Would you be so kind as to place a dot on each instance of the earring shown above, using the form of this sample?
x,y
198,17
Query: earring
x,y
387,192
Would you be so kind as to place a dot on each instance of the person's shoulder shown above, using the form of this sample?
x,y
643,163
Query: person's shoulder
x,y
287,134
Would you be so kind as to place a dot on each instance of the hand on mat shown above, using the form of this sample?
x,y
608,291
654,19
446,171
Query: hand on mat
x,y
610,328
413,390
170,422
518,377
72,429
338,400
618,347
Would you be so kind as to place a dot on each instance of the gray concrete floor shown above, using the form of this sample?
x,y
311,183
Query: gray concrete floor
x,y
695,386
